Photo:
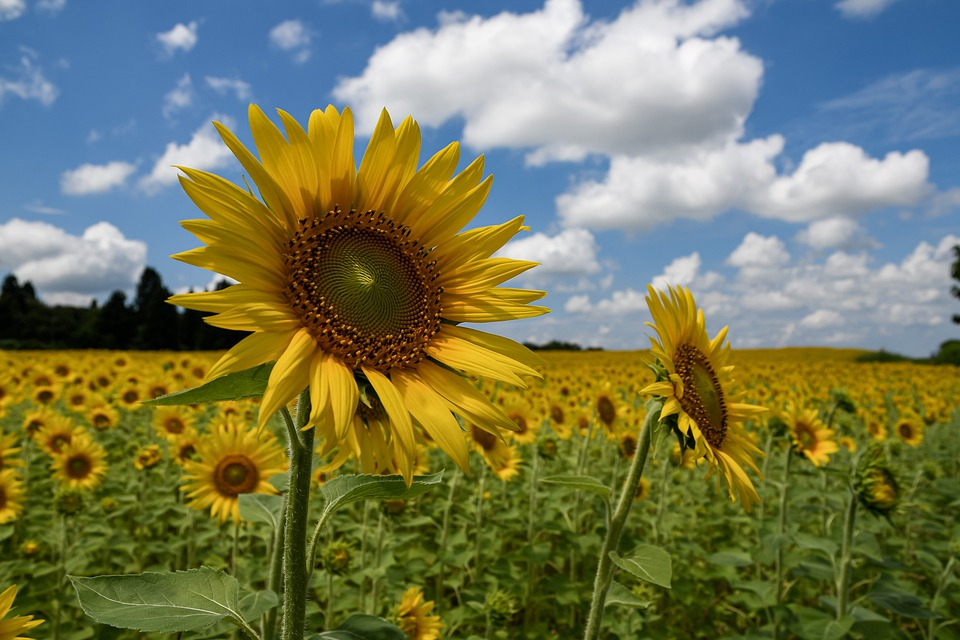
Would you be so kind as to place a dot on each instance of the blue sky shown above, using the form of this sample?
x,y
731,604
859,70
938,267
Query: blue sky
x,y
796,163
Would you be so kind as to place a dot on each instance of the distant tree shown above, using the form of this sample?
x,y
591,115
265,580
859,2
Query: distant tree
x,y
21,313
116,323
156,319
955,274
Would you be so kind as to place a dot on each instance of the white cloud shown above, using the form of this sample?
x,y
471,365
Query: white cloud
x,y
759,252
12,9
236,86
89,179
204,151
182,37
386,10
293,36
51,6
571,252
579,303
653,79
862,8
28,81
68,268
685,271
822,318
836,233
180,97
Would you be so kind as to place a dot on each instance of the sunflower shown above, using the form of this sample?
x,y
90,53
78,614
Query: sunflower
x,y
11,628
643,490
696,383
184,447
9,451
606,406
149,456
81,464
353,278
171,422
102,416
909,428
811,437
58,432
11,496
413,617
231,460
34,421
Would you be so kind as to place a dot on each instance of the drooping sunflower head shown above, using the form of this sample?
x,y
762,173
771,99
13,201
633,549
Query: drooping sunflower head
x,y
695,380
357,279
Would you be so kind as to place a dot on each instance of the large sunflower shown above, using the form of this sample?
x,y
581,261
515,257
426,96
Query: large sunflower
x,y
231,460
697,388
355,280
811,437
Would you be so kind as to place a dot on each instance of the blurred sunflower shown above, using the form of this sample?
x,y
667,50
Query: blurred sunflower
x,y
148,457
351,277
909,428
34,421
811,437
171,422
80,464
9,451
58,432
11,496
184,447
231,459
696,383
413,617
102,416
130,395
11,628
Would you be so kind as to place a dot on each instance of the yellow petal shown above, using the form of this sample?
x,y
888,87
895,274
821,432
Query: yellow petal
x,y
464,398
290,375
344,394
392,401
432,413
253,350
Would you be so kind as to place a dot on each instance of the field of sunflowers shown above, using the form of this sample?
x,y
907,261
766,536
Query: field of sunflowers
x,y
859,483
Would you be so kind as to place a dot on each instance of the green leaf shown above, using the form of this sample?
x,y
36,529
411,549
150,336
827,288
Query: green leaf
x,y
233,386
648,563
730,558
261,507
581,483
829,629
160,602
254,605
807,541
620,595
364,627
901,603
344,490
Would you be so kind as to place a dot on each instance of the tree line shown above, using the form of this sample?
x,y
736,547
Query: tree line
x,y
147,322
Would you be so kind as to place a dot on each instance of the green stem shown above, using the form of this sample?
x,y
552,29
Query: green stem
x,y
444,531
377,558
295,570
932,625
268,625
531,521
617,522
664,485
843,583
781,531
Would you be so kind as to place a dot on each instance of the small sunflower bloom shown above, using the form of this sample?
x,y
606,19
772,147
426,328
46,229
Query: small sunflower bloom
x,y
413,616
12,628
697,387
11,496
353,278
875,484
812,438
81,464
148,457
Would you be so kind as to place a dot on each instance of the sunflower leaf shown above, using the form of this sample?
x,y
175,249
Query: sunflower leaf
x,y
364,627
253,605
647,562
582,483
344,490
619,594
261,507
161,602
233,386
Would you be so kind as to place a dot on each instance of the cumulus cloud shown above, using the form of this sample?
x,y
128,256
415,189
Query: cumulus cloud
x,y
386,10
12,9
836,233
759,252
71,269
180,97
182,37
237,87
571,252
28,81
685,271
652,79
88,179
204,151
862,8
293,36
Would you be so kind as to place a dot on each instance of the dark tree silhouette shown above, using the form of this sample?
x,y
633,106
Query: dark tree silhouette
x,y
955,274
157,320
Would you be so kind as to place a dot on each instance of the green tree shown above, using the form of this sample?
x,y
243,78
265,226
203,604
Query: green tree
x,y
157,321
955,274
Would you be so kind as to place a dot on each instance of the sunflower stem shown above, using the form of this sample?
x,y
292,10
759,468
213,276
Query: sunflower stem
x,y
843,582
295,571
617,522
781,530
268,626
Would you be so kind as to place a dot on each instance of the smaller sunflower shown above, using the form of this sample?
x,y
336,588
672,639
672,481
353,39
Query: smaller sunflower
x,y
148,457
102,416
9,451
58,432
171,422
413,617
232,459
811,437
606,405
81,464
11,628
11,497
909,428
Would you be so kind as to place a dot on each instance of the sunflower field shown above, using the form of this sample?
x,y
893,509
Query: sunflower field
x,y
855,533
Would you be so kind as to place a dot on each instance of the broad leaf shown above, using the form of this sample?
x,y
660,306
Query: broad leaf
x,y
233,386
160,602
904,604
730,558
806,541
582,483
254,605
620,595
648,563
344,490
261,507
364,627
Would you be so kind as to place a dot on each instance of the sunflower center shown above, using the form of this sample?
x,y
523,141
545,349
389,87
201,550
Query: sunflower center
x,y
702,394
806,437
363,289
78,467
174,426
236,474
485,439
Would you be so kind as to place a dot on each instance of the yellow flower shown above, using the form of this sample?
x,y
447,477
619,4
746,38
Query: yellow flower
x,y
643,490
811,437
909,428
11,628
356,280
232,459
698,389
11,496
102,416
149,456
172,422
413,617
80,464
58,432
9,451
